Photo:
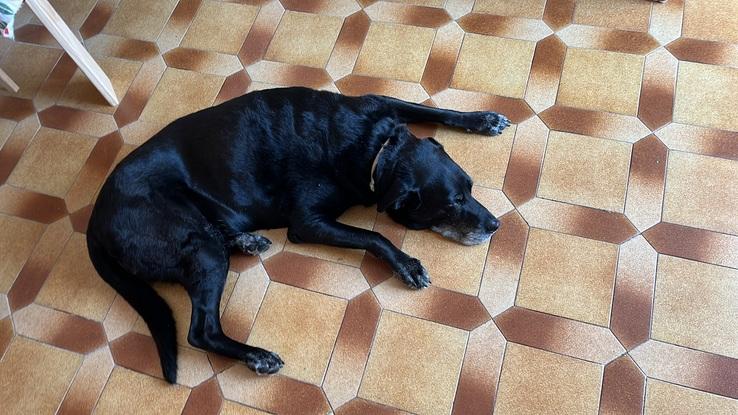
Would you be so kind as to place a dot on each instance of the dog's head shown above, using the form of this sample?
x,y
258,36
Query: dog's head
x,y
421,187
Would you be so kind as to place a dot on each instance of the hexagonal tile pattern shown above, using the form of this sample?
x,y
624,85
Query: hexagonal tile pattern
x,y
609,288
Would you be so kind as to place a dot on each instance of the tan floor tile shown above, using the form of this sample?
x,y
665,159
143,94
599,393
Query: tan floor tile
x,y
233,408
483,158
695,306
28,66
180,93
667,398
602,81
304,39
414,364
701,192
80,93
17,239
534,381
450,264
427,3
73,13
568,276
140,19
704,94
532,9
129,392
51,162
494,65
6,128
630,15
395,51
301,326
220,26
715,20
585,171
34,377
74,286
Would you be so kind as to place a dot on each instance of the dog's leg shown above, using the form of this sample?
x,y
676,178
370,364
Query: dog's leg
x,y
250,243
485,122
205,285
334,233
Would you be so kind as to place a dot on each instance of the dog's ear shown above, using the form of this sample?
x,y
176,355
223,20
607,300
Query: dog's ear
x,y
399,195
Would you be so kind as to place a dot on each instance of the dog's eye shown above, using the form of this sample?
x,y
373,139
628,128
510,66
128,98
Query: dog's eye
x,y
459,198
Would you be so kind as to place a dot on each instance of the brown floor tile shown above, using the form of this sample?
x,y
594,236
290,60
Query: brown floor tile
x,y
693,243
711,20
74,286
412,15
700,140
88,383
239,312
17,240
662,397
420,359
232,408
623,387
613,40
140,19
81,94
52,161
546,282
450,264
205,399
483,158
712,184
702,94
595,123
291,45
128,391
60,329
220,26
646,182
506,77
705,322
535,381
35,385
385,52
584,170
301,327
532,9
30,66
600,80
626,15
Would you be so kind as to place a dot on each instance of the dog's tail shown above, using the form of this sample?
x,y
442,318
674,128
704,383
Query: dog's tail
x,y
142,297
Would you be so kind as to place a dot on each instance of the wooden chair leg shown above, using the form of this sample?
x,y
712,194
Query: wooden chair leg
x,y
7,83
56,26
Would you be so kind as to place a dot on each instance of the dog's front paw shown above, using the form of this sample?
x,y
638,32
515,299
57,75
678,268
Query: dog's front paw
x,y
264,362
490,123
414,274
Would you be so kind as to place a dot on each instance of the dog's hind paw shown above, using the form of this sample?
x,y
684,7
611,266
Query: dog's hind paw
x,y
264,362
251,244
414,274
490,123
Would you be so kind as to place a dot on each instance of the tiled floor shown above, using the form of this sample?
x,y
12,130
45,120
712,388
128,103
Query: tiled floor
x,y
612,286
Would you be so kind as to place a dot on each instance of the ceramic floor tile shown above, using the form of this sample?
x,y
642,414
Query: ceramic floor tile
x,y
30,66
17,239
534,381
414,364
132,392
667,398
707,320
712,186
180,93
481,68
220,26
395,51
290,45
74,286
568,276
633,15
35,385
585,171
52,161
80,93
601,81
532,9
301,327
715,20
73,13
703,95
140,19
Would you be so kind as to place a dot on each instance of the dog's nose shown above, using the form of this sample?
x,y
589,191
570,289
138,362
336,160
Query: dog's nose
x,y
493,225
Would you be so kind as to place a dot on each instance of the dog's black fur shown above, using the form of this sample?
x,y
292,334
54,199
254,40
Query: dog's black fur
x,y
175,208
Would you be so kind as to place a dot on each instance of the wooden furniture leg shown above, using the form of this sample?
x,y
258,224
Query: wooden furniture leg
x,y
8,83
56,26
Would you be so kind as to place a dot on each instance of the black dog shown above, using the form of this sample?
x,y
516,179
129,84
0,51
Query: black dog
x,y
175,207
